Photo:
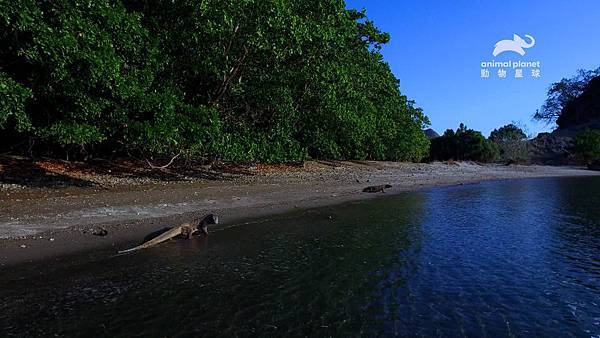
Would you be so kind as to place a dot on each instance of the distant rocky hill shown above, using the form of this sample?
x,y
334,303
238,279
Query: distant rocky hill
x,y
550,148
578,115
430,133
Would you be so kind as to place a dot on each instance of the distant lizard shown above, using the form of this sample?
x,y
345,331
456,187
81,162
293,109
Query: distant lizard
x,y
377,188
185,230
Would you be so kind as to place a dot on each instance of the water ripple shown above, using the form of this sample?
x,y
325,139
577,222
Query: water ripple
x,y
515,258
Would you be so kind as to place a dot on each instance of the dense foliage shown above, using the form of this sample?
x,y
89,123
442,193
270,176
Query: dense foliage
x,y
587,145
563,92
464,144
269,80
511,141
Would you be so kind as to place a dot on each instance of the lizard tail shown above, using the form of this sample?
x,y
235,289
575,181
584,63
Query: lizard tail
x,y
163,237
129,250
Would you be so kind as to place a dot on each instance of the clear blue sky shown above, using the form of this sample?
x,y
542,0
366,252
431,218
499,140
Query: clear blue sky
x,y
437,47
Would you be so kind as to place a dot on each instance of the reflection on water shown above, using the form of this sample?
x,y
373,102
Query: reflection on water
x,y
501,258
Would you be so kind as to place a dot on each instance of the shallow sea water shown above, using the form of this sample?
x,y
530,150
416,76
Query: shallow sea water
x,y
506,258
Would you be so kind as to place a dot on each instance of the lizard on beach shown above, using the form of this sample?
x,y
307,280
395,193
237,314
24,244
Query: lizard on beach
x,y
377,188
185,230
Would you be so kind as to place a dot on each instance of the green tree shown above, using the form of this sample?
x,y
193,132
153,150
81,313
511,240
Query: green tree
x,y
238,80
512,142
464,144
587,145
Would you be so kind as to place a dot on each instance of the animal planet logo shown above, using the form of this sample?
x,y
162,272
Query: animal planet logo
x,y
516,45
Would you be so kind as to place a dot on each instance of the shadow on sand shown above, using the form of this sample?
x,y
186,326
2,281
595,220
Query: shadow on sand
x,y
52,173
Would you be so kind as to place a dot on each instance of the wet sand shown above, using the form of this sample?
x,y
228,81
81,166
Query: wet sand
x,y
41,223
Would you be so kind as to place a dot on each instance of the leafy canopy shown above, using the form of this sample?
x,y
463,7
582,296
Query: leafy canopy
x,y
269,80
511,141
464,144
587,145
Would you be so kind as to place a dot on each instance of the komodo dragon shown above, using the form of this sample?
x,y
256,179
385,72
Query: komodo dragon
x,y
377,188
185,230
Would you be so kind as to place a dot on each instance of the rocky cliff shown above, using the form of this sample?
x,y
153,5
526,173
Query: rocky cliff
x,y
584,111
550,148
580,114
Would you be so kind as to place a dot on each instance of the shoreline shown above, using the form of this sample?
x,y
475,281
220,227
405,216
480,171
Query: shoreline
x,y
38,224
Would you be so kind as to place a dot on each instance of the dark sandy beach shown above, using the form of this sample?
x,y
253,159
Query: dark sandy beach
x,y
43,222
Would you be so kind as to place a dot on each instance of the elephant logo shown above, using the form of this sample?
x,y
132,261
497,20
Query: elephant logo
x,y
515,45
